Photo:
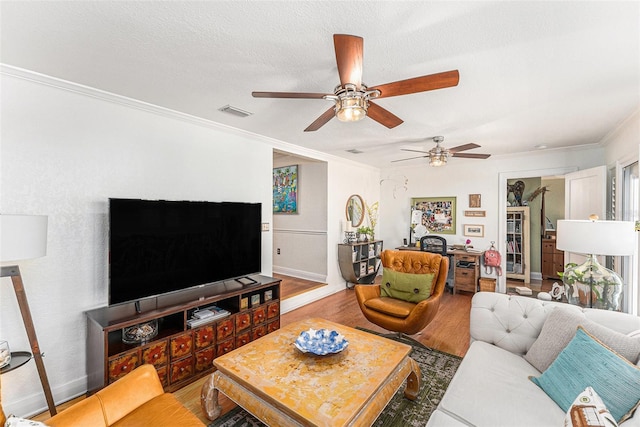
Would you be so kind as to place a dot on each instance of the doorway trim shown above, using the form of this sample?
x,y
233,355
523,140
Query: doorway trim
x,y
502,209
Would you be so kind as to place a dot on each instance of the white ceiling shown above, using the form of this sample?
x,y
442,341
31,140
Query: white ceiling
x,y
554,73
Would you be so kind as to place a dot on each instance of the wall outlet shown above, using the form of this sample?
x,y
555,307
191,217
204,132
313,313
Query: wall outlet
x,y
278,251
265,226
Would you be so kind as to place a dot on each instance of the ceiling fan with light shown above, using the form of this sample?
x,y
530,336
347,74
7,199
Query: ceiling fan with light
x,y
352,98
438,155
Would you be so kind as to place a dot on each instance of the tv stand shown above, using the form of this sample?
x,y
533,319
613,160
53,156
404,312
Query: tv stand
x,y
246,280
179,353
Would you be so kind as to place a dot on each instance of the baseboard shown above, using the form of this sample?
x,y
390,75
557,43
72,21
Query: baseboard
x,y
306,275
35,404
536,275
305,298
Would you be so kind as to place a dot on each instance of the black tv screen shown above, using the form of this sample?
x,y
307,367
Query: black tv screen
x,y
158,246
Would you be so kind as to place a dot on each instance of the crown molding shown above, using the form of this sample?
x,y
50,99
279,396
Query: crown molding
x,y
102,95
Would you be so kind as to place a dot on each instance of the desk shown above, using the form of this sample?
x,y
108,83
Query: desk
x,y
465,278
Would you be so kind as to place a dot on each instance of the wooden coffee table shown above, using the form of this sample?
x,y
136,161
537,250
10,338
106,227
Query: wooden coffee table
x,y
282,386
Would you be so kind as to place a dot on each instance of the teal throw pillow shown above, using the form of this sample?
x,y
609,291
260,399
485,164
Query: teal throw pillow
x,y
406,286
585,362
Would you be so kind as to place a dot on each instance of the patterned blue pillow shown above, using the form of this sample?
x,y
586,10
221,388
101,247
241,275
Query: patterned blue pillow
x,y
586,362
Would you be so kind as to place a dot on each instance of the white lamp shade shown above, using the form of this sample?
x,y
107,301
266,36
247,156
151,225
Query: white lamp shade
x,y
22,237
596,237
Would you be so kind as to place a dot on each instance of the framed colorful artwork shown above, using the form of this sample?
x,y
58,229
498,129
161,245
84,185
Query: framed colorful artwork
x,y
435,215
285,189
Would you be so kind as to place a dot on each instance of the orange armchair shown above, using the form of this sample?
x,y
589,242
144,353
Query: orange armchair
x,y
398,315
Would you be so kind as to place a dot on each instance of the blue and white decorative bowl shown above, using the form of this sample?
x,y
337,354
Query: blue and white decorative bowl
x,y
320,342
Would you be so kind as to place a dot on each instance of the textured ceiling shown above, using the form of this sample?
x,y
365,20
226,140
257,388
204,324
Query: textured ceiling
x,y
552,73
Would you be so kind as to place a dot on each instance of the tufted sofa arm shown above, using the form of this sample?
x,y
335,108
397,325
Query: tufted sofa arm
x,y
514,322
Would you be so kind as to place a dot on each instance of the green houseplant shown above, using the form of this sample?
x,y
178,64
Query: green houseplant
x,y
366,231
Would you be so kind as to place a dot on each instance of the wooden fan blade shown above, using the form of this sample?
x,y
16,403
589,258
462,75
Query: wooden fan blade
x,y
382,116
463,147
349,58
305,95
410,158
414,151
321,121
419,84
471,155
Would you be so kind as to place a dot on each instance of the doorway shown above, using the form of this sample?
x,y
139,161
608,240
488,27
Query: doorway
x,y
543,201
300,238
503,200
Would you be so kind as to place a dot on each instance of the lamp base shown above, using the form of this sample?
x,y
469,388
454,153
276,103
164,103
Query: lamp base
x,y
592,285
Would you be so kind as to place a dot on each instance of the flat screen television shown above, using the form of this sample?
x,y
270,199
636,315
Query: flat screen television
x,y
158,246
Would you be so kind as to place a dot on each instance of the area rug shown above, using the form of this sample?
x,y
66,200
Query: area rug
x,y
437,369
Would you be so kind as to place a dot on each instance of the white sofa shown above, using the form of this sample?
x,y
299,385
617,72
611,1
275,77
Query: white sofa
x,y
491,387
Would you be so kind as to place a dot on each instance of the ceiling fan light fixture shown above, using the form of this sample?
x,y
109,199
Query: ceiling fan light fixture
x,y
438,160
351,109
351,103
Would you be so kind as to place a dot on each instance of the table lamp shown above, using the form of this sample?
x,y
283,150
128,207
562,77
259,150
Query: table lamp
x,y
25,237
591,284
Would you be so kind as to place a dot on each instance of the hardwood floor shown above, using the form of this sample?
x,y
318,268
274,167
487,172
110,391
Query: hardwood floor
x,y
448,332
292,286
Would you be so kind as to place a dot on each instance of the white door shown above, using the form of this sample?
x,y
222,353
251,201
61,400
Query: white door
x,y
585,193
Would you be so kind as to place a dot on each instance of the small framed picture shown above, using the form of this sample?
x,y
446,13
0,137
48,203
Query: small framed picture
x,y
268,295
474,201
255,300
475,213
473,230
244,303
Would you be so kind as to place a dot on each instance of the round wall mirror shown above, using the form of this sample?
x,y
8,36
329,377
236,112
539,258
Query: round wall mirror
x,y
355,210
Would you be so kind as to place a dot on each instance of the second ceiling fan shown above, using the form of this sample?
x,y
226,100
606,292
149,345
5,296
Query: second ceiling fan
x,y
352,98
438,155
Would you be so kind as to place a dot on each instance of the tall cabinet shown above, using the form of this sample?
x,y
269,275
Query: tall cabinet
x,y
552,259
518,244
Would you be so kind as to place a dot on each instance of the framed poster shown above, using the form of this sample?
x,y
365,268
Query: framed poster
x,y
473,230
436,215
285,189
474,200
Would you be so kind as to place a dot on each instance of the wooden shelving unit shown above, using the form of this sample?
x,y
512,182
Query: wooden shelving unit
x,y
518,244
359,261
181,354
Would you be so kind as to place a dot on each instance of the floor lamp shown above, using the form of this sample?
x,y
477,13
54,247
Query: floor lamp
x,y
591,284
25,237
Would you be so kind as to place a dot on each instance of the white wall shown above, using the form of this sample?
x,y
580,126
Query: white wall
x,y
623,142
65,150
63,155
